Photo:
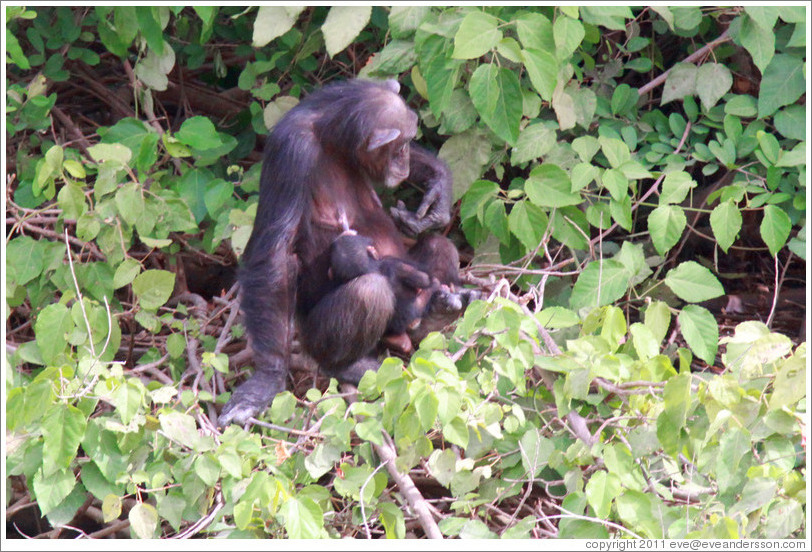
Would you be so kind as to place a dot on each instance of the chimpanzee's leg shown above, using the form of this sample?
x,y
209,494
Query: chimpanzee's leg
x,y
343,329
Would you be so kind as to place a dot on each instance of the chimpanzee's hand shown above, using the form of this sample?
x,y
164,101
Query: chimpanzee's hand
x,y
250,399
434,212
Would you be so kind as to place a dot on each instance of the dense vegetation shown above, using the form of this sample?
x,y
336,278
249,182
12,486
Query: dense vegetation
x,y
632,195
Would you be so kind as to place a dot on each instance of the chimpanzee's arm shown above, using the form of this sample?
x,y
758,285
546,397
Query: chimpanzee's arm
x,y
435,209
404,273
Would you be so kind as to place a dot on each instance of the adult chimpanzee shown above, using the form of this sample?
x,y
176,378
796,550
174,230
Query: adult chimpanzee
x,y
321,162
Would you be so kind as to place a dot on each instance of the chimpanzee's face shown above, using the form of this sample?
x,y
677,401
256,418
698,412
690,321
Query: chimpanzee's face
x,y
398,169
387,152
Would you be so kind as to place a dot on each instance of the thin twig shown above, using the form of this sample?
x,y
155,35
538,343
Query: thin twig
x,y
645,89
778,284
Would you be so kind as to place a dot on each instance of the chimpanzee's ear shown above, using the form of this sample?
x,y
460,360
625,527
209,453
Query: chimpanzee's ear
x,y
382,136
392,85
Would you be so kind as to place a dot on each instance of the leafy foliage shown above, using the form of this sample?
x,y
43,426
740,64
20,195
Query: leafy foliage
x,y
590,147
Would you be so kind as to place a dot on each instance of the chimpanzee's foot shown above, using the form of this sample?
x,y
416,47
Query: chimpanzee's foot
x,y
250,399
468,295
354,372
445,301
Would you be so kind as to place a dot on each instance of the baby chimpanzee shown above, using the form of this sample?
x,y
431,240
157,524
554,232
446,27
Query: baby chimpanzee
x,y
353,255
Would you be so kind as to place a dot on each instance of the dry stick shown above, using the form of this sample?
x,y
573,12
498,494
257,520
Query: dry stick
x,y
89,247
408,489
778,284
645,89
119,525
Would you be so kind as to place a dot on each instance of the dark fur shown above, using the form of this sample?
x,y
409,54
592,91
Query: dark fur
x,y
352,256
323,157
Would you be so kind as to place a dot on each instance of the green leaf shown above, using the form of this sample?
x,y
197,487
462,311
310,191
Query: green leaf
x,y
564,107
726,221
535,450
763,16
542,69
51,328
128,399
640,510
175,345
586,147
342,25
528,223
757,40
393,520
775,228
676,187
52,489
694,283
466,155
536,32
370,430
534,141
272,22
143,520
611,17
126,273
153,288
498,99
456,432
426,405
549,186
154,68
769,146
303,518
477,35
665,224
63,428
25,257
791,122
150,27
784,518
130,202
790,382
442,466
616,151
641,65
742,105
583,174
476,529
622,212
616,182
557,317
567,34
71,200
199,133
681,82
601,490
658,319
698,327
180,428
207,468
644,341
713,80
111,507
757,492
404,20
782,84
601,283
